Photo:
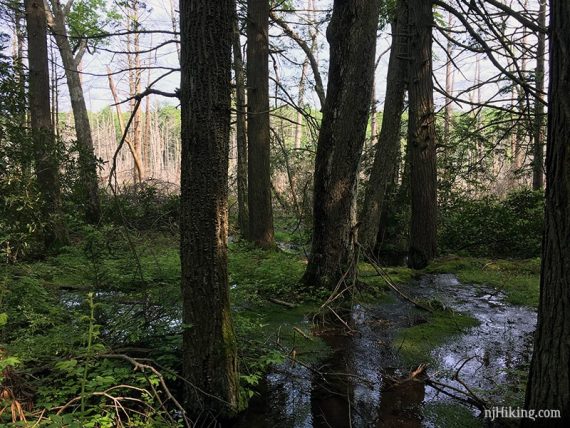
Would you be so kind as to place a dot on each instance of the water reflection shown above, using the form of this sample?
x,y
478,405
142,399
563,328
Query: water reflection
x,y
359,385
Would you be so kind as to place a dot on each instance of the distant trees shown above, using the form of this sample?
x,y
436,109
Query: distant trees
x,y
352,38
549,379
209,354
421,137
258,130
44,144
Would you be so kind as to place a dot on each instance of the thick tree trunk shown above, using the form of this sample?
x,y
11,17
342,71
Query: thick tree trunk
x,y
241,129
44,144
388,146
549,379
209,347
538,134
87,160
352,38
421,137
258,141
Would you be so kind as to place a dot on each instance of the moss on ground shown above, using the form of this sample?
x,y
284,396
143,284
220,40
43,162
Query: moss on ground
x,y
414,344
518,279
267,332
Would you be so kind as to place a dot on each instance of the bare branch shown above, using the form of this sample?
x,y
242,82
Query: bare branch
x,y
319,87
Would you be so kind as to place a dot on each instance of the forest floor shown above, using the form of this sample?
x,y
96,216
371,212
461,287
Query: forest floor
x,y
294,359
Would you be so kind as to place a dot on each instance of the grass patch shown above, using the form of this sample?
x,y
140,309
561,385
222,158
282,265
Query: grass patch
x,y
257,274
518,279
378,291
398,274
415,343
285,329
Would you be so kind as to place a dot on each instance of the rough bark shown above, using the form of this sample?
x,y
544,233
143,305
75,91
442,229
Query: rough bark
x,y
538,132
549,379
209,348
87,161
258,131
352,38
44,144
241,129
421,137
388,145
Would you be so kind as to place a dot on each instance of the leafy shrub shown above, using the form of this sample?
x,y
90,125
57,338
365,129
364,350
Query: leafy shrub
x,y
510,227
19,200
148,206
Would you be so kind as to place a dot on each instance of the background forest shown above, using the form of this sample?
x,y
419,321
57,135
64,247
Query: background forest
x,y
278,213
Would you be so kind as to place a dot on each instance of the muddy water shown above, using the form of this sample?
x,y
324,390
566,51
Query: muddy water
x,y
354,387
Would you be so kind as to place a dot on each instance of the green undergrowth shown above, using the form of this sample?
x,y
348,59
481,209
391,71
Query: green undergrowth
x,y
397,274
45,323
256,274
415,343
44,313
518,279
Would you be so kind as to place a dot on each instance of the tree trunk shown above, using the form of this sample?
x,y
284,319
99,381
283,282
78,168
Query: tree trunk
x,y
304,74
87,160
241,129
209,347
389,140
258,142
135,73
549,379
449,81
136,158
421,137
538,137
352,38
44,144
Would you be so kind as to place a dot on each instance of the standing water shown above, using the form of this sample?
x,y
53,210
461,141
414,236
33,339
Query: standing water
x,y
354,386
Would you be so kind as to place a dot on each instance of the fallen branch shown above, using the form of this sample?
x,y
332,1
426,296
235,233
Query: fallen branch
x,y
142,367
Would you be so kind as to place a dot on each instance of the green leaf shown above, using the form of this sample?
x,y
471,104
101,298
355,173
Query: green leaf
x,y
66,365
3,319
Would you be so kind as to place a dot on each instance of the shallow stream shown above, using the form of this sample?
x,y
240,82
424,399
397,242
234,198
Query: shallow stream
x,y
354,386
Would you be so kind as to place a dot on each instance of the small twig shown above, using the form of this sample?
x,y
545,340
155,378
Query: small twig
x,y
140,366
341,320
384,275
282,303
302,333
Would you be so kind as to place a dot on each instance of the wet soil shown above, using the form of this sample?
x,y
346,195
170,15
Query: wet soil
x,y
360,383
